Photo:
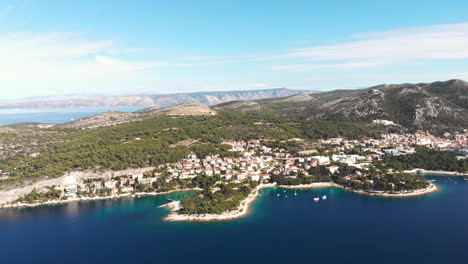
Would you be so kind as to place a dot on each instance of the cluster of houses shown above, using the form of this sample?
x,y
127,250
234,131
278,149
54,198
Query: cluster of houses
x,y
248,166
257,162
125,184
399,144
449,141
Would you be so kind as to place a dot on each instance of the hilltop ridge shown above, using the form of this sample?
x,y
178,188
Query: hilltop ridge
x,y
111,118
431,106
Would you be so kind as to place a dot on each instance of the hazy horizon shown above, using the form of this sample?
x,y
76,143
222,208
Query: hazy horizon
x,y
56,48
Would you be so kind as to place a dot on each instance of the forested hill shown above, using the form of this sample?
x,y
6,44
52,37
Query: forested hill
x,y
149,142
438,106
112,118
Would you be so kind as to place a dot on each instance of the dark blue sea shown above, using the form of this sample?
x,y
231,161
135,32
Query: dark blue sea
x,y
345,228
53,116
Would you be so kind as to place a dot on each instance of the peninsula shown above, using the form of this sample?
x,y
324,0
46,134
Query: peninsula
x,y
227,185
228,153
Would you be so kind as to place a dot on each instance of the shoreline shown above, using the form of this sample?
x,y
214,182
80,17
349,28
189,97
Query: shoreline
x,y
311,185
439,173
430,189
97,198
244,208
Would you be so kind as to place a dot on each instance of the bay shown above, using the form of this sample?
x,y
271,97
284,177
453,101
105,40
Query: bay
x,y
345,228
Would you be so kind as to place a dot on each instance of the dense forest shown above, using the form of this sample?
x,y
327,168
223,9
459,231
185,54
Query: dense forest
x,y
389,183
428,159
228,198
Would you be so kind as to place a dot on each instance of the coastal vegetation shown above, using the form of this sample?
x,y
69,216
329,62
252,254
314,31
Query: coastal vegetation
x,y
371,181
39,197
227,198
394,182
428,159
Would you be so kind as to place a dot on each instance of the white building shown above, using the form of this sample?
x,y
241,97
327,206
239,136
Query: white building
x,y
321,159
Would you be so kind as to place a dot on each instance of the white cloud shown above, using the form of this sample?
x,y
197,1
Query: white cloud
x,y
438,42
60,56
50,61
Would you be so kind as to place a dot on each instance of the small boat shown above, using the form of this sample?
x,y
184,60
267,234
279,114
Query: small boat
x,y
465,179
295,193
324,197
278,194
286,196
316,199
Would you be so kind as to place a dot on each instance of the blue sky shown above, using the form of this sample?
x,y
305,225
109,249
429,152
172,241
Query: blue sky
x,y
134,47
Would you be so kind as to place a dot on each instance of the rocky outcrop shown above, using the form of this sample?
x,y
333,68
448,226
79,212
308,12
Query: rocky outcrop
x,y
192,109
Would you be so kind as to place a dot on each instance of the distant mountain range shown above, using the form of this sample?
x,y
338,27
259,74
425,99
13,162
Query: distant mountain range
x,y
434,106
158,100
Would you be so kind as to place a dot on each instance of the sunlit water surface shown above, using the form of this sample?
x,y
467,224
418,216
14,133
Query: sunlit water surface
x,y
291,227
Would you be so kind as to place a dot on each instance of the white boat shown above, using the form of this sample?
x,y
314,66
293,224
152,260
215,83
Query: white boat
x,y
324,197
278,194
316,199
295,193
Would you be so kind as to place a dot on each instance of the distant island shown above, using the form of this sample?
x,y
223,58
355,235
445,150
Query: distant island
x,y
227,153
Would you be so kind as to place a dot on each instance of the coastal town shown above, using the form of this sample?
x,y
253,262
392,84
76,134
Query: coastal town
x,y
350,162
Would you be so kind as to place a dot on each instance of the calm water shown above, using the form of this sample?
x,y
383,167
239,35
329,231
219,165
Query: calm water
x,y
53,116
345,228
